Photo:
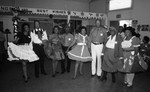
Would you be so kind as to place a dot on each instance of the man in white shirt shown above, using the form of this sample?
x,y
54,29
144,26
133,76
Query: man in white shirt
x,y
38,37
98,37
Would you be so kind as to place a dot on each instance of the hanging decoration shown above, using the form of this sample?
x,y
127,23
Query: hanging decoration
x,y
15,20
80,14
68,18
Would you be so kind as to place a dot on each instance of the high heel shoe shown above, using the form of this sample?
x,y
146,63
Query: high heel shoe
x,y
26,79
74,78
53,75
81,73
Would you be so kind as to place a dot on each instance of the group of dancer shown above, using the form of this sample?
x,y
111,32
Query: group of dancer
x,y
108,53
29,47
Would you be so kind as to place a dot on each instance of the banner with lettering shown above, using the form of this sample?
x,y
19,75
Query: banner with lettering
x,y
39,11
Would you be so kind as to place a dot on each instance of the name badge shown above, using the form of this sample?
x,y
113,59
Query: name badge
x,y
101,34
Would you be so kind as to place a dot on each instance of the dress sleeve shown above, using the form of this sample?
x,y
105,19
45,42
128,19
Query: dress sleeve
x,y
105,35
32,36
76,36
136,42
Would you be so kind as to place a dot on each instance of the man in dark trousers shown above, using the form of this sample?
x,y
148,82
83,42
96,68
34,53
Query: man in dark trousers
x,y
39,37
67,40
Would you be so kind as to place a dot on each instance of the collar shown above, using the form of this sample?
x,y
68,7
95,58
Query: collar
x,y
38,29
82,35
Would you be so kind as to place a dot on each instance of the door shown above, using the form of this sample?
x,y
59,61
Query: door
x,y
114,24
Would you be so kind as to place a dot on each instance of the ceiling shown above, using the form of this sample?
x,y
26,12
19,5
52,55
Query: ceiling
x,y
82,0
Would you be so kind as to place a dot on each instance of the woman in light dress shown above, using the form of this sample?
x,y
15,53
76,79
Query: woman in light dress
x,y
55,49
80,51
22,50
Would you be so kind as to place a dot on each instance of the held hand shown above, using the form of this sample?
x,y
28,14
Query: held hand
x,y
67,51
121,59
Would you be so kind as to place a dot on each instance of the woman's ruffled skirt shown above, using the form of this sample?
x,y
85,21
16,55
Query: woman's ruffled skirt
x,y
21,52
80,53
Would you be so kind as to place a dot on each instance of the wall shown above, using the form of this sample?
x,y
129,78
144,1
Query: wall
x,y
98,6
139,11
77,5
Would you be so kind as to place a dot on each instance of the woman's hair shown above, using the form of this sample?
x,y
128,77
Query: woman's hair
x,y
99,21
23,25
82,27
146,38
36,21
54,29
111,28
132,30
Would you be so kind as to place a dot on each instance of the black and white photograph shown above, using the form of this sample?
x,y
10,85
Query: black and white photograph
x,y
145,28
74,46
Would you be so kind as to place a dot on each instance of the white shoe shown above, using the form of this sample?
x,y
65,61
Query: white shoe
x,y
125,83
129,85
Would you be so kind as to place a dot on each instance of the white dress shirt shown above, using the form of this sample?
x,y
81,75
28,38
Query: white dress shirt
x,y
35,38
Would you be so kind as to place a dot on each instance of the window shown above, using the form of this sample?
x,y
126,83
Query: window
x,y
127,22
119,4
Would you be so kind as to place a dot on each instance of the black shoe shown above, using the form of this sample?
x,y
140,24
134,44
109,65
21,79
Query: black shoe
x,y
92,76
27,77
81,73
103,78
62,72
36,76
68,71
57,72
99,77
53,75
113,80
26,81
44,73
73,78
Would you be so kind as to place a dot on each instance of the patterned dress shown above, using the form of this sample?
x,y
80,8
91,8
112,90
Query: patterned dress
x,y
54,49
23,50
129,55
80,52
145,52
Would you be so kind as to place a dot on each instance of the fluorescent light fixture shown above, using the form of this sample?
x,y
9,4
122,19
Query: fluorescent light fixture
x,y
119,4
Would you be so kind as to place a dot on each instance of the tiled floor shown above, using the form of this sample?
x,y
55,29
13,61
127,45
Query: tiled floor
x,y
11,81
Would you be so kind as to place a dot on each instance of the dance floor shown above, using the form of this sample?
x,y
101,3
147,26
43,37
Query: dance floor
x,y
11,80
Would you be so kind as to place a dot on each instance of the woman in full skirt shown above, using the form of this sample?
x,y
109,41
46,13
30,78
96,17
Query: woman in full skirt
x,y
80,51
22,50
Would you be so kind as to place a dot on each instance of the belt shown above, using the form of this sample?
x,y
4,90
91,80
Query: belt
x,y
97,43
128,50
81,43
38,44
